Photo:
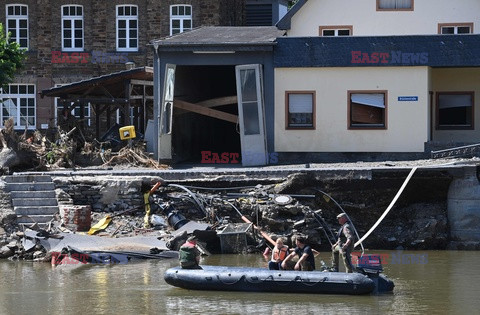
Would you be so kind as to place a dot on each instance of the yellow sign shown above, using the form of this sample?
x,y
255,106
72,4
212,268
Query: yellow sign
x,y
127,132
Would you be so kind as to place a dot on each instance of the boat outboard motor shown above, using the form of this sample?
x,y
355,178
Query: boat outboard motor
x,y
371,266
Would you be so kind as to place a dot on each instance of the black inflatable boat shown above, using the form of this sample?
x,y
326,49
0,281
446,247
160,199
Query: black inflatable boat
x,y
221,278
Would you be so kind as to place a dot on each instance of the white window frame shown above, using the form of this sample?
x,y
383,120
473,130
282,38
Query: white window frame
x,y
118,116
336,29
17,17
127,18
28,97
455,27
73,18
75,111
181,18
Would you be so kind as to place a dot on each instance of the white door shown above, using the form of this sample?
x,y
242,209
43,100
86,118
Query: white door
x,y
251,114
165,129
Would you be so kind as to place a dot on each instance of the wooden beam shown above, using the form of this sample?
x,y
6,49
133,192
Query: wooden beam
x,y
97,120
214,102
205,111
141,82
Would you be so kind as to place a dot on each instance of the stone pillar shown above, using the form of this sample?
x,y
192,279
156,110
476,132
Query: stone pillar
x,y
464,207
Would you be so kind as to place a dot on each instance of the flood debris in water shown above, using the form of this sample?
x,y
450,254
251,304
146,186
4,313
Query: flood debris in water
x,y
288,209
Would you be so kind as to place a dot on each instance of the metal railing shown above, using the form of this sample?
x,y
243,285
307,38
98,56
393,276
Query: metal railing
x,y
463,151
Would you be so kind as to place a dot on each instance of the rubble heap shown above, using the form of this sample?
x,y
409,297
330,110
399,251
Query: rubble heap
x,y
174,211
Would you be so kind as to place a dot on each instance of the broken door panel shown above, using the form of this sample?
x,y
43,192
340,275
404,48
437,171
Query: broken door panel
x,y
251,114
165,132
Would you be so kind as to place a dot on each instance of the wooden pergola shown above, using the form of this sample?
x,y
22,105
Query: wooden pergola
x,y
129,91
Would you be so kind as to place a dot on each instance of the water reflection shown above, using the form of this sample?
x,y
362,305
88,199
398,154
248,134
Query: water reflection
x,y
447,283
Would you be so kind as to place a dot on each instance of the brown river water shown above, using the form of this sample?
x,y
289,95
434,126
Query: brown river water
x,y
433,282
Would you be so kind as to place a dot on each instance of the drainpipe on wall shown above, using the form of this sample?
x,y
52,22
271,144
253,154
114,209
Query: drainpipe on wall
x,y
431,117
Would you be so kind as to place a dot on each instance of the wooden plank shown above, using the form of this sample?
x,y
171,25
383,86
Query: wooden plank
x,y
141,82
367,114
205,111
214,102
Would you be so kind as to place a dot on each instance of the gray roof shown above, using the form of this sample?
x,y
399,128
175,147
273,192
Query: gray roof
x,y
113,81
223,36
285,22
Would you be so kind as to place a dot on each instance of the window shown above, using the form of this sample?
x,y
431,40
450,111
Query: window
x,y
17,24
394,5
367,110
75,112
300,110
127,28
454,29
18,102
180,18
345,30
455,110
72,28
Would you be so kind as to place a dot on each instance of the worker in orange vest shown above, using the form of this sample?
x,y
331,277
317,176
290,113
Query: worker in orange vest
x,y
279,253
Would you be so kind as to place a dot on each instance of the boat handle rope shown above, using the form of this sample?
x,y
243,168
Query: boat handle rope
x,y
230,283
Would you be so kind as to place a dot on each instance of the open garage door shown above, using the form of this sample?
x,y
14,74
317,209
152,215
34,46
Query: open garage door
x,y
165,134
251,114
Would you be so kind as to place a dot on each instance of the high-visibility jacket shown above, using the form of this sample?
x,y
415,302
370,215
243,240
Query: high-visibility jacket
x,y
279,254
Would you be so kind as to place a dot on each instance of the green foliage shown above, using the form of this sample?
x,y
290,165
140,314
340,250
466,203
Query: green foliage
x,y
11,58
292,3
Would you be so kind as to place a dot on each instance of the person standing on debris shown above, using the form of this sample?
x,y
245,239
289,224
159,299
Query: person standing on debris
x,y
306,261
344,245
279,253
189,255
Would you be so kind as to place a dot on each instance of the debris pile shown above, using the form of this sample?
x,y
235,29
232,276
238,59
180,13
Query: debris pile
x,y
255,214
59,148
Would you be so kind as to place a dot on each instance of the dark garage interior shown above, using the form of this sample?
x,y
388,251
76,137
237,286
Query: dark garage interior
x,y
193,132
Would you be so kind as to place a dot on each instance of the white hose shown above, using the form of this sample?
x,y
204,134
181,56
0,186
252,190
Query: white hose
x,y
389,207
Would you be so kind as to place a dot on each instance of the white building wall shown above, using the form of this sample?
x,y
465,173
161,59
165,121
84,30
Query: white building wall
x,y
407,128
367,21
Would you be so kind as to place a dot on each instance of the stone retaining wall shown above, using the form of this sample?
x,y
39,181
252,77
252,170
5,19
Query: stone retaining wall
x,y
103,193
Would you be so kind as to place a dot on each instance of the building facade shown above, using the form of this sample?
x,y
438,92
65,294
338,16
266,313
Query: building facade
x,y
70,41
377,76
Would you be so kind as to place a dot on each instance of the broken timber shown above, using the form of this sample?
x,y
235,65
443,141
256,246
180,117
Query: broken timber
x,y
204,110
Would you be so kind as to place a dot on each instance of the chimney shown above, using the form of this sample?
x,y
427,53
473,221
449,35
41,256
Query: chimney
x,y
129,65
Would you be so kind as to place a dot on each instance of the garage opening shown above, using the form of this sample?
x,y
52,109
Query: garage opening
x,y
213,127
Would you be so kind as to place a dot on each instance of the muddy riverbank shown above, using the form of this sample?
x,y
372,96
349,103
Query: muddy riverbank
x,y
418,220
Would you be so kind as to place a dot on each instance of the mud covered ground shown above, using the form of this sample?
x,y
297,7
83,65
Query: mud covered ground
x,y
418,220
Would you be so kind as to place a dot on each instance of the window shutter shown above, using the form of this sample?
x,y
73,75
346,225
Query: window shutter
x,y
375,100
300,103
453,100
